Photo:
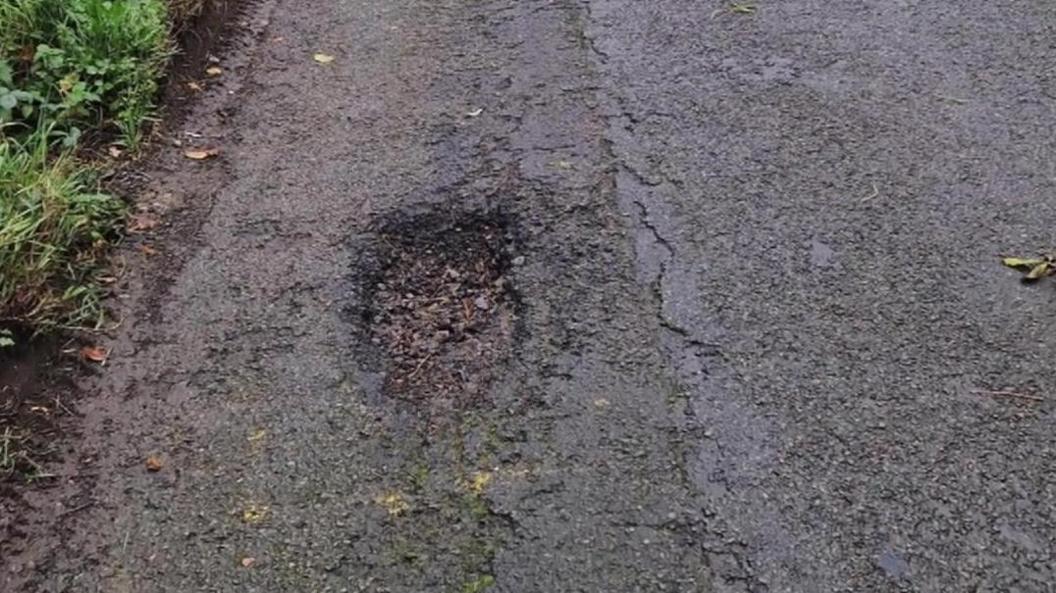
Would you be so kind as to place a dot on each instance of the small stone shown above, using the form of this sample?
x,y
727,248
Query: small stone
x,y
482,303
518,261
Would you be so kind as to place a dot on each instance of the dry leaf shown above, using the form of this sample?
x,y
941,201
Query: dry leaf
x,y
475,112
323,58
142,222
248,561
154,464
115,152
95,353
1038,271
200,154
214,70
194,86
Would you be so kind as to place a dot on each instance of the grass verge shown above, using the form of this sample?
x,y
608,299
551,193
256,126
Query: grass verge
x,y
71,72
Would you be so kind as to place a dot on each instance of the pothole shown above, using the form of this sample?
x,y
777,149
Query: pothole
x,y
442,308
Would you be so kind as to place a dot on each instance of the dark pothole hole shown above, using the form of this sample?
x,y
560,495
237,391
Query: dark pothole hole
x,y
440,307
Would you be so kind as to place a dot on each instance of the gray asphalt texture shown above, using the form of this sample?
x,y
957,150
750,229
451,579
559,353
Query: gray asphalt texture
x,y
759,306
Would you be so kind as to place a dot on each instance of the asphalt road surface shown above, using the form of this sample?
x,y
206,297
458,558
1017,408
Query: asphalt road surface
x,y
721,297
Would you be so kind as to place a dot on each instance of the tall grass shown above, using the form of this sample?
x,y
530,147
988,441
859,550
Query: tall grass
x,y
67,67
54,227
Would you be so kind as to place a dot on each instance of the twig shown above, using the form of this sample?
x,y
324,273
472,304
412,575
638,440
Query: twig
x,y
77,509
420,365
1014,394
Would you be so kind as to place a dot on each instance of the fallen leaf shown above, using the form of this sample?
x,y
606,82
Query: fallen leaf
x,y
115,152
147,250
323,58
139,223
1019,262
201,154
154,464
475,112
1038,271
563,165
214,70
95,353
194,86
248,561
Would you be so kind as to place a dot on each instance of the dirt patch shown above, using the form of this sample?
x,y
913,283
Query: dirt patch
x,y
203,33
442,309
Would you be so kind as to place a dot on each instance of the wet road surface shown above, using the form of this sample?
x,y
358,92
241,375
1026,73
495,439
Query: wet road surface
x,y
741,309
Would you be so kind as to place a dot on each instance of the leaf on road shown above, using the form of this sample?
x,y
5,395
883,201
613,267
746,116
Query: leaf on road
x,y
214,70
1019,262
323,58
95,354
201,154
248,561
475,112
154,464
1038,271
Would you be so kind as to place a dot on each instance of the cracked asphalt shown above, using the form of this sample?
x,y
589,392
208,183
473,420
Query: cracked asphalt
x,y
759,309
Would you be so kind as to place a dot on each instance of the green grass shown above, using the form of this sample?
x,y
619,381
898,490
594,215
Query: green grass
x,y
68,69
80,64
54,227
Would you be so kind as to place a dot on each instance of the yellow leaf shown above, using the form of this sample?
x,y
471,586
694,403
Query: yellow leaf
x,y
214,70
1038,271
323,58
1019,262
